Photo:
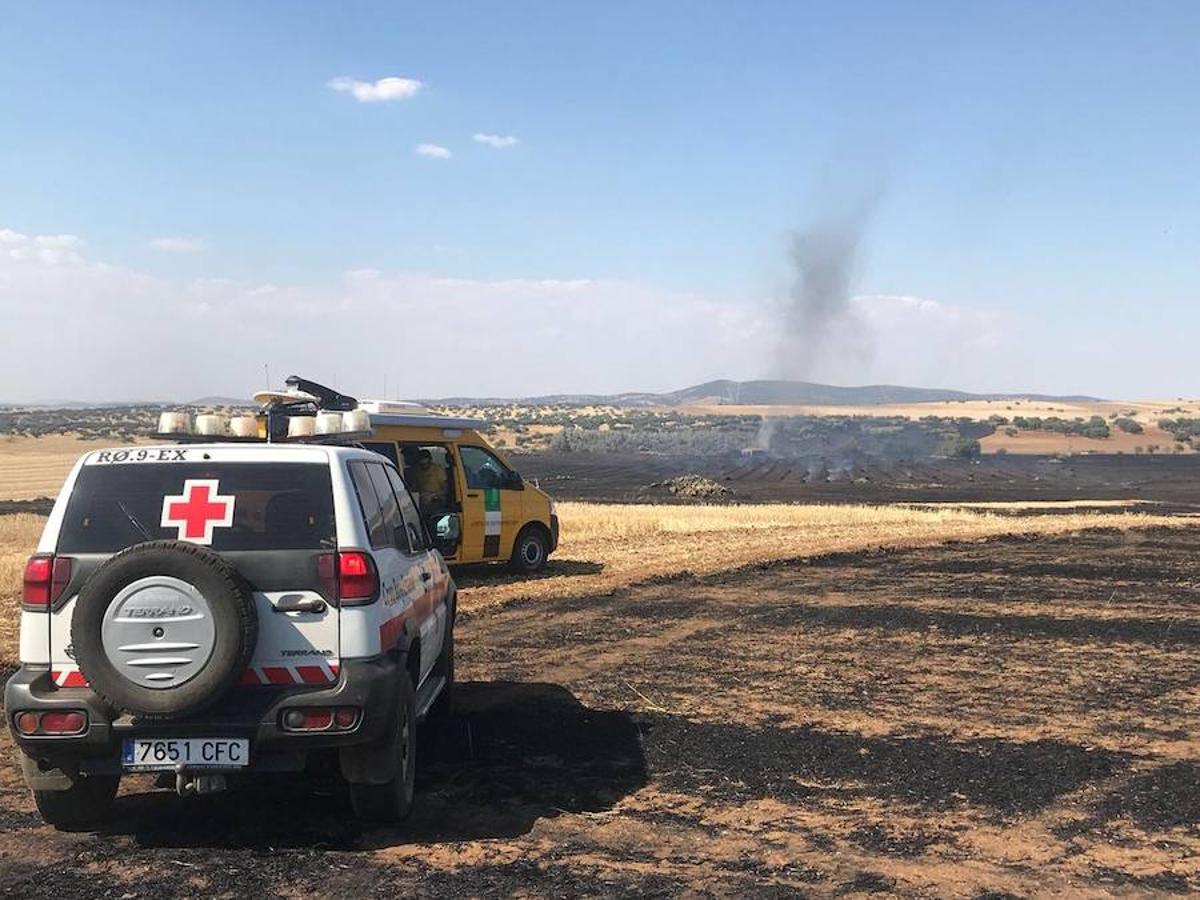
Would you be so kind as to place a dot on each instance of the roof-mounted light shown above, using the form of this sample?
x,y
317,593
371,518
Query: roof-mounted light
x,y
329,423
211,425
301,426
243,426
356,420
174,423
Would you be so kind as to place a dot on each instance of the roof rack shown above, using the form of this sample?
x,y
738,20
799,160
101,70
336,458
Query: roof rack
x,y
342,437
306,413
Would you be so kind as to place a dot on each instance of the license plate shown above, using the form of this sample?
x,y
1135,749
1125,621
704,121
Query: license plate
x,y
148,754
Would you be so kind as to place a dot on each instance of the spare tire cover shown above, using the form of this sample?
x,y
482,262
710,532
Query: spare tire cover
x,y
164,629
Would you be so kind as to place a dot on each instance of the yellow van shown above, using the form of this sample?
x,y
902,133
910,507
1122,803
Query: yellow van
x,y
458,478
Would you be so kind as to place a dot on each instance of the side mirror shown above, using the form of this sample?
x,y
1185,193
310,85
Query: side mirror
x,y
447,531
514,481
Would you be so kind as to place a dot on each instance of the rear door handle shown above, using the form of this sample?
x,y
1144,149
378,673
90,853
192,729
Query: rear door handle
x,y
298,603
472,496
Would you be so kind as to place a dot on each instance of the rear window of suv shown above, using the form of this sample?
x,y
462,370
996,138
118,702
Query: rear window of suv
x,y
276,506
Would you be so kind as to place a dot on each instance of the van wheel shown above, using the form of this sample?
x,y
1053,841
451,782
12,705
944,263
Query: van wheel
x,y
84,804
530,550
392,801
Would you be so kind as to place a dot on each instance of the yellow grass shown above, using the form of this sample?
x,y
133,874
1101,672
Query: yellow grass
x,y
1148,411
37,467
18,538
1053,442
605,547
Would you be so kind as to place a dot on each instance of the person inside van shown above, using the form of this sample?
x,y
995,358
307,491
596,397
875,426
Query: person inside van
x,y
429,480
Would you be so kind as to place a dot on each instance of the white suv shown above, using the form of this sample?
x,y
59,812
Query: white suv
x,y
213,609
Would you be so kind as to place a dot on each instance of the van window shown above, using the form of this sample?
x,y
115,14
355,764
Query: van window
x,y
482,469
276,506
429,474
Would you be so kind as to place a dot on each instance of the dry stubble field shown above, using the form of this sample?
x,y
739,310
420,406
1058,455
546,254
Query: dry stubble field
x,y
765,699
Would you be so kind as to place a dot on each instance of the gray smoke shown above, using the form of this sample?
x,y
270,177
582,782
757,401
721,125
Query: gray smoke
x,y
817,318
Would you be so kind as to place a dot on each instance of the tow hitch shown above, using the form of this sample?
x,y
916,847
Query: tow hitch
x,y
187,785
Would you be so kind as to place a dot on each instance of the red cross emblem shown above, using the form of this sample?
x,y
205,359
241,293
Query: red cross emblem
x,y
198,510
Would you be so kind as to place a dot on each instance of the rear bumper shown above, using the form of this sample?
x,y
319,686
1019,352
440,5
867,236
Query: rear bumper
x,y
253,713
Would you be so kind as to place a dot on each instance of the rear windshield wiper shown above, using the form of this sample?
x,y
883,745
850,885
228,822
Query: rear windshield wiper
x,y
134,521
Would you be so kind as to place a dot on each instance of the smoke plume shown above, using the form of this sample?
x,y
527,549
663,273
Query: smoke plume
x,y
817,319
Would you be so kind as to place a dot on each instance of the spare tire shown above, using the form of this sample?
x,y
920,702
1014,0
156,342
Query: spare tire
x,y
164,629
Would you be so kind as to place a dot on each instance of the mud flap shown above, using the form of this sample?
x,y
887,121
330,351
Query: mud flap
x,y
375,762
40,779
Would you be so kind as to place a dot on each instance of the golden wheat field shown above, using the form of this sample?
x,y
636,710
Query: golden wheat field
x,y
977,409
37,467
605,547
19,534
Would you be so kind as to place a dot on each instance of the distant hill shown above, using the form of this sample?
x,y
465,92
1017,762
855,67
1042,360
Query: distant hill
x,y
748,393
770,393
128,404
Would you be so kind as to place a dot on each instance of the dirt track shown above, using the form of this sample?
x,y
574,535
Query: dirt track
x,y
1012,717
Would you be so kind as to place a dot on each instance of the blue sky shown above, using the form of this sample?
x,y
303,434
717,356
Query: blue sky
x,y
1039,168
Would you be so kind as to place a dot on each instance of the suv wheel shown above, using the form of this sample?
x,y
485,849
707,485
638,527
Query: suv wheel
x,y
210,628
530,550
84,804
392,801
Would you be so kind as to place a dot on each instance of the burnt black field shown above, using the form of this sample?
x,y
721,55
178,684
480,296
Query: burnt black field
x,y
1169,479
1010,717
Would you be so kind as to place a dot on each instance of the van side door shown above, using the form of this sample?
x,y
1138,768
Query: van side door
x,y
492,504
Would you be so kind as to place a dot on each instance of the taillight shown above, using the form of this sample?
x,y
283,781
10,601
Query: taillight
x,y
55,723
327,564
63,722
358,582
46,578
319,718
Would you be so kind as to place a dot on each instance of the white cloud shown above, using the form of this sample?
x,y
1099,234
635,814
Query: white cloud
x,y
47,249
177,244
497,141
212,335
390,88
433,151
918,341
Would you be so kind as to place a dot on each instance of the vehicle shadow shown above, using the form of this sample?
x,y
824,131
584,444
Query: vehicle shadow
x,y
492,574
808,765
513,754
